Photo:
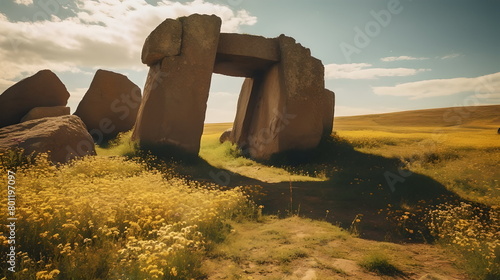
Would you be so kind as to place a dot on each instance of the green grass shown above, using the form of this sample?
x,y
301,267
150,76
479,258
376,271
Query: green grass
x,y
463,156
379,263
292,247
227,156
122,145
457,149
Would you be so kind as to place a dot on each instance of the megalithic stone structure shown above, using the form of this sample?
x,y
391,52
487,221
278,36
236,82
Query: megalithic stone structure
x,y
283,104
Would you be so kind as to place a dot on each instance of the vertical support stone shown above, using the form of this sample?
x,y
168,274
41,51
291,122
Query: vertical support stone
x,y
285,108
265,123
303,89
243,113
329,108
175,96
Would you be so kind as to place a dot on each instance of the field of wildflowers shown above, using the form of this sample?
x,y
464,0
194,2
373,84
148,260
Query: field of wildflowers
x,y
112,218
465,161
109,217
472,231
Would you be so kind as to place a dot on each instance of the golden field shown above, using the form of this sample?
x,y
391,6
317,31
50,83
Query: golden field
x,y
127,215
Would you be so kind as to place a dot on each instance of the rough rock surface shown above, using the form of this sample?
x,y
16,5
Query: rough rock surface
x,y
329,112
243,55
243,112
226,135
173,109
63,138
285,108
44,89
45,112
110,105
164,40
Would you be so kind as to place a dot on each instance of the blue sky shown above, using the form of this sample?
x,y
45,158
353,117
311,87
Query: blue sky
x,y
379,56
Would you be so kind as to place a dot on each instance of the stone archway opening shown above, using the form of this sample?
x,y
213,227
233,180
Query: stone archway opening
x,y
223,99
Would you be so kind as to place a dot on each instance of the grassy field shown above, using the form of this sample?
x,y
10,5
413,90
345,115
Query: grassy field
x,y
458,147
299,248
409,195
418,175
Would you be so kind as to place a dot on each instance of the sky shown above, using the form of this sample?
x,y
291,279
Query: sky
x,y
379,56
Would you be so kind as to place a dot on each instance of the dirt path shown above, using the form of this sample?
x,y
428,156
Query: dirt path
x,y
297,248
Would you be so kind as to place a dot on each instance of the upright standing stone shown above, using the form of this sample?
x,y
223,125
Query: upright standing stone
x,y
44,89
328,112
172,112
302,77
110,105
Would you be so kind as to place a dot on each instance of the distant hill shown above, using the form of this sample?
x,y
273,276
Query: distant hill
x,y
472,116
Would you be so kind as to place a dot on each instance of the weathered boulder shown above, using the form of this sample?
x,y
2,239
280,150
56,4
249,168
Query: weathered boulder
x,y
110,105
45,112
44,89
226,135
175,97
164,40
63,138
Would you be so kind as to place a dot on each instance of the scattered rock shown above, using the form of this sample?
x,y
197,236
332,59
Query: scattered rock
x,y
63,138
110,105
285,108
45,112
44,89
226,135
175,95
164,41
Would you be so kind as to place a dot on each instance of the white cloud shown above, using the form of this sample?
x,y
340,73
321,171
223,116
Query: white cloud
x,y
103,34
453,55
487,86
24,2
359,71
491,98
404,57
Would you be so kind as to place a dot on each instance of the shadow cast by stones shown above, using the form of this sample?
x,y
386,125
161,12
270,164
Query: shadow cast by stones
x,y
357,187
